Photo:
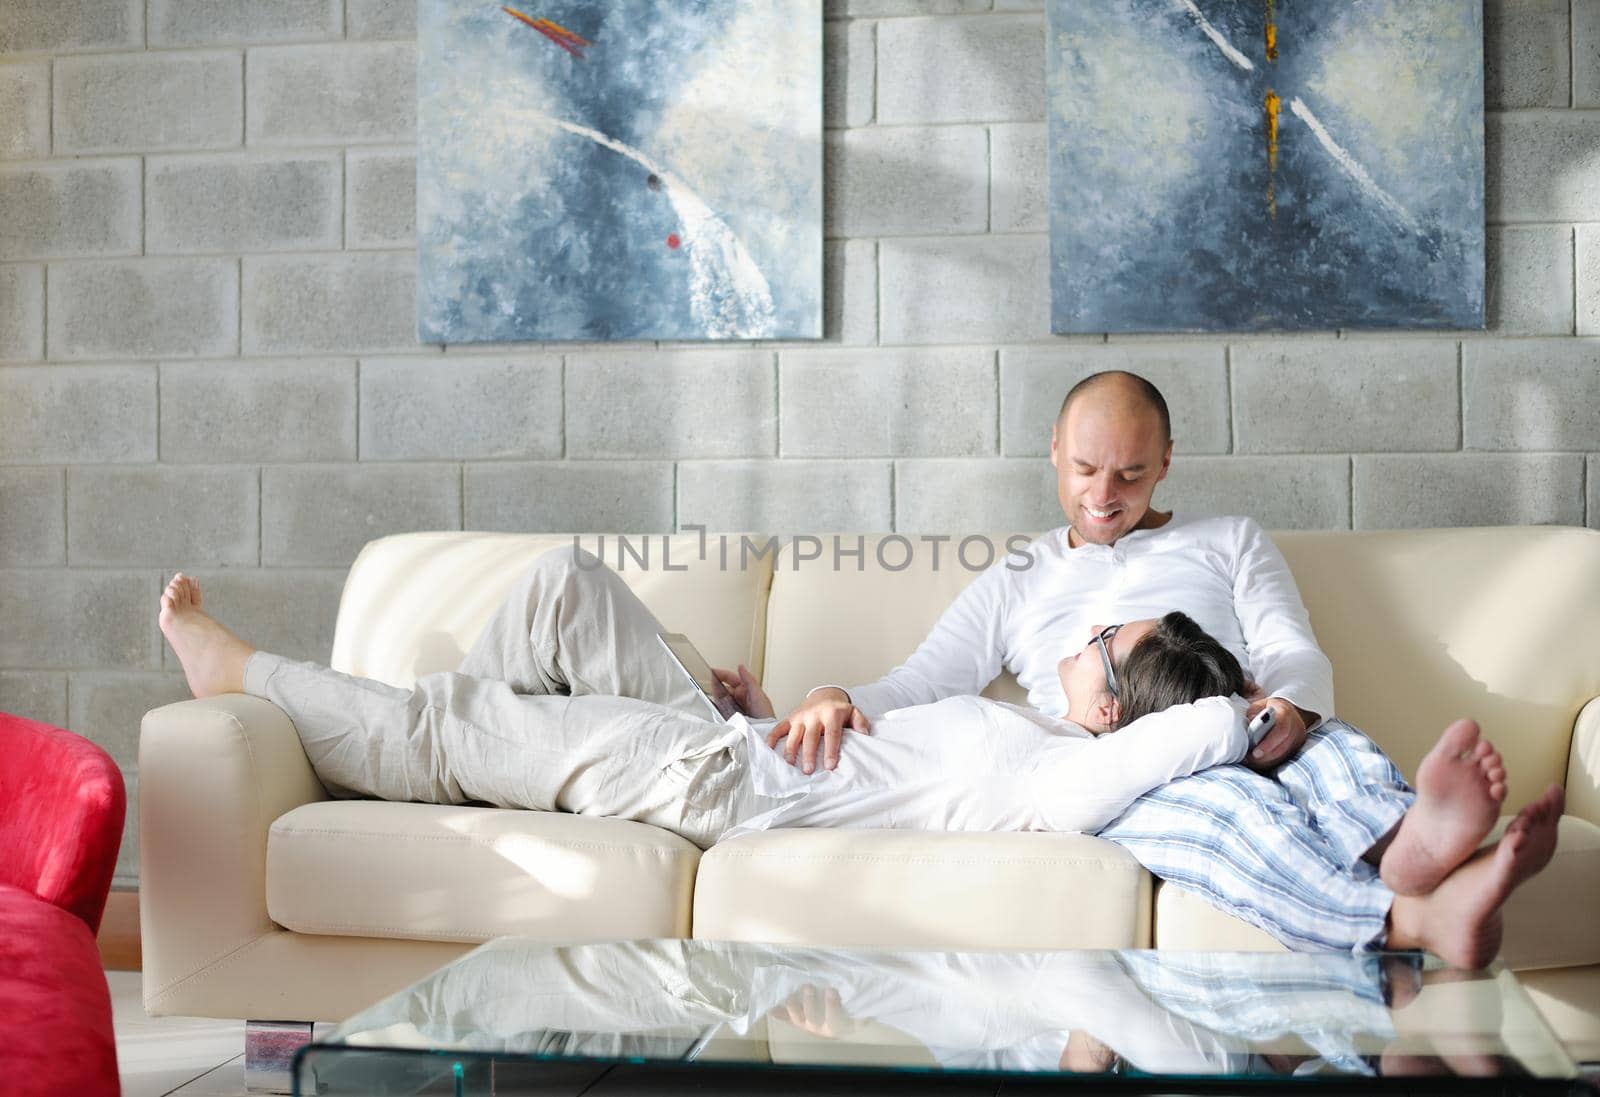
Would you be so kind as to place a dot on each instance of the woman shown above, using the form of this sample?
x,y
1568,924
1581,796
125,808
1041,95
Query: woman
x,y
527,723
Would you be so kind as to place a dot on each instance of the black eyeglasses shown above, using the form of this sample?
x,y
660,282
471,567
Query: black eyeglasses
x,y
1100,638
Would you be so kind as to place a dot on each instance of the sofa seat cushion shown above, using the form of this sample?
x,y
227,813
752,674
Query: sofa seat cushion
x,y
1569,998
363,868
1550,921
914,889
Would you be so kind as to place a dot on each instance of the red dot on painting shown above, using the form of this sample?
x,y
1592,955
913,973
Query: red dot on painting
x,y
672,240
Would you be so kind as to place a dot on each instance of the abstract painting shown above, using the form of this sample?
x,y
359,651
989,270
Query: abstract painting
x,y
627,170
1246,165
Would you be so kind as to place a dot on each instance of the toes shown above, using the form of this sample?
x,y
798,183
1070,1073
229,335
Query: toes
x,y
1481,750
1460,736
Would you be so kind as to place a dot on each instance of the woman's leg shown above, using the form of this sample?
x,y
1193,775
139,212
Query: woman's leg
x,y
455,739
452,739
572,626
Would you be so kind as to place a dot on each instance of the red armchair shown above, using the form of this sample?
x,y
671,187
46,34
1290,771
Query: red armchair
x,y
62,805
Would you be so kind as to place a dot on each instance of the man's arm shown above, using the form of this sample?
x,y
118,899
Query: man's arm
x,y
1295,677
960,656
1083,787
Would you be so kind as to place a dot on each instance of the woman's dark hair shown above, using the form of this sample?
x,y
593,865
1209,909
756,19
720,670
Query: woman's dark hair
x,y
1176,663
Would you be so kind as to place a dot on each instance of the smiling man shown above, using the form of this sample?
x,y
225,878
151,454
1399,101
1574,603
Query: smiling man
x,y
1293,848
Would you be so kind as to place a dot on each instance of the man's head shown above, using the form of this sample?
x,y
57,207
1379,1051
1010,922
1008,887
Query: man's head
x,y
1156,664
1111,446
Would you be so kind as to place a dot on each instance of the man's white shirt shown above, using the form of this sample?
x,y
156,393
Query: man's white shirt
x,y
1222,571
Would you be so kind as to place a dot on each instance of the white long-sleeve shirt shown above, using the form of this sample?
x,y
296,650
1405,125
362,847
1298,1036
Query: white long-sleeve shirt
x,y
1222,571
969,763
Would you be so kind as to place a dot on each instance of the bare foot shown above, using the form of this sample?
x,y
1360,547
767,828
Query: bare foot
x,y
1460,787
1460,921
213,658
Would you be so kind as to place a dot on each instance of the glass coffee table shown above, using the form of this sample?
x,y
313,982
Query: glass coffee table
x,y
520,1016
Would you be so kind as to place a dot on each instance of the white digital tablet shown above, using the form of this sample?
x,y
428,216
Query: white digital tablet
x,y
694,665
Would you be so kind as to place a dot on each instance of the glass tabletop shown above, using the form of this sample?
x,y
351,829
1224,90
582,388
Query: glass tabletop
x,y
526,1016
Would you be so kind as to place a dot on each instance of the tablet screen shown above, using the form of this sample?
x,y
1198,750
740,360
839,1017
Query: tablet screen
x,y
699,671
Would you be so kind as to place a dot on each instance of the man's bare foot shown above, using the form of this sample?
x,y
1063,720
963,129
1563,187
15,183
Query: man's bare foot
x,y
213,658
1460,787
1460,920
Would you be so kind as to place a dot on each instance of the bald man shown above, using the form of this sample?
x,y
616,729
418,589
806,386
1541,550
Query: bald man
x,y
1293,847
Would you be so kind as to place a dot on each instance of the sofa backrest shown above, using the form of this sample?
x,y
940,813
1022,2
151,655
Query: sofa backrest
x,y
1423,626
414,603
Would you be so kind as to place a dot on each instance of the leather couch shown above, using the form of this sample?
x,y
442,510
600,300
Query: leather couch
x,y
61,810
263,898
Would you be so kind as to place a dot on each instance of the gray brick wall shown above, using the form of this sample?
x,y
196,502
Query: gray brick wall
x,y
208,361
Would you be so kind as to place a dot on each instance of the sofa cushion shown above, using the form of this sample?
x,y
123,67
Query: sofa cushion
x,y
1550,920
1424,626
842,624
1569,998
910,889
427,872
414,603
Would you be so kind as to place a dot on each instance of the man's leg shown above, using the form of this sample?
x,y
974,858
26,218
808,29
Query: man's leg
x,y
1353,794
1241,842
1358,800
572,626
453,739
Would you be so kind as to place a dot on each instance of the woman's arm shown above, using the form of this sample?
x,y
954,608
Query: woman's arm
x,y
1081,785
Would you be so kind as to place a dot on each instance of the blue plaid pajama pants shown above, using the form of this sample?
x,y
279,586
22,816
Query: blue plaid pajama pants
x,y
1282,852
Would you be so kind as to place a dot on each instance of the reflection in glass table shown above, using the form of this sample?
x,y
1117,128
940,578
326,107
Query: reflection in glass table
x,y
526,1016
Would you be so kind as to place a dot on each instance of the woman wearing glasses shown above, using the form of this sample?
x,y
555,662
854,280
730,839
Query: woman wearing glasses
x,y
1168,690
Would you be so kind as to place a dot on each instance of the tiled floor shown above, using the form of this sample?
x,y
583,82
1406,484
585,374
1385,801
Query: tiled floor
x,y
181,1056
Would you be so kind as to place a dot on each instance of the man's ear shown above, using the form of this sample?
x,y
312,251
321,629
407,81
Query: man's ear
x,y
1054,432
1166,461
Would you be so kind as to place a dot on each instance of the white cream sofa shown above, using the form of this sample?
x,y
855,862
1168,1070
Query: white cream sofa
x,y
262,898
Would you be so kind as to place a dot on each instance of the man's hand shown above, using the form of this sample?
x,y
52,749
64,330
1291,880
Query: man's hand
x,y
1287,736
819,1011
747,692
819,721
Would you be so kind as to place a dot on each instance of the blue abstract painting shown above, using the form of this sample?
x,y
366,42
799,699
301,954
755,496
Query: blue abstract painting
x,y
1245,165
633,169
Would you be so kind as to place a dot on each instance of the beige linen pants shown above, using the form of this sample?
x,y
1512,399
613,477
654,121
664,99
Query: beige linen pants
x,y
566,702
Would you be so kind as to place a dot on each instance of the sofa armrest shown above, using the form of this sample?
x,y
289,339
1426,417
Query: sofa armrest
x,y
213,776
1583,765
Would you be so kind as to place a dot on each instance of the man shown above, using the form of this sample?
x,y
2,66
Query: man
x,y
1295,853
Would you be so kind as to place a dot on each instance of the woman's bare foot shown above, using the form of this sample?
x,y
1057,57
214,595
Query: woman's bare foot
x,y
213,658
1460,787
1460,920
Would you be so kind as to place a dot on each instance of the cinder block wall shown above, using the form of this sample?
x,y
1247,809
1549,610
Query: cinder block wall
x,y
206,330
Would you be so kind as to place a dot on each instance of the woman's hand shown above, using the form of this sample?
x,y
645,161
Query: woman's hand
x,y
747,692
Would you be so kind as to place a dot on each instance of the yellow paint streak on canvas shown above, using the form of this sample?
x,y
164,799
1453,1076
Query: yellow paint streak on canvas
x,y
1273,107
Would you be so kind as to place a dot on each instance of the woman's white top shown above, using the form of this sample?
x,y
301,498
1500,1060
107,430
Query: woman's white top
x,y
969,763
